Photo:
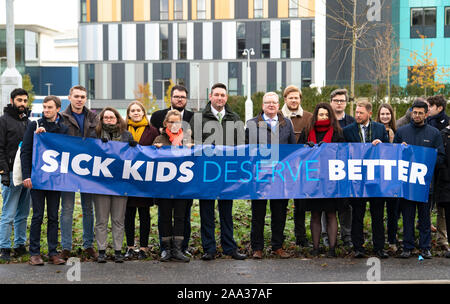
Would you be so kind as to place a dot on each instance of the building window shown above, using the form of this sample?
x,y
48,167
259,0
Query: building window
x,y
313,39
285,39
423,22
83,13
293,8
447,22
265,39
240,39
258,9
306,74
164,9
164,41
201,9
233,72
91,81
182,41
178,10
181,74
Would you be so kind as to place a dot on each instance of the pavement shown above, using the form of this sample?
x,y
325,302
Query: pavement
x,y
227,271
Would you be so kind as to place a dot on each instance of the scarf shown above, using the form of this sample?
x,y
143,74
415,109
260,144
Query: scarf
x,y
288,113
137,128
321,126
110,132
177,138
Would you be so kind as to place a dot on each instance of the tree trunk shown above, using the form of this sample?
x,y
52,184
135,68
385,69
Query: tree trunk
x,y
352,79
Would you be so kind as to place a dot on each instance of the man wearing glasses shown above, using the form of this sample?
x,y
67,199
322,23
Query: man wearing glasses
x,y
418,133
338,102
178,101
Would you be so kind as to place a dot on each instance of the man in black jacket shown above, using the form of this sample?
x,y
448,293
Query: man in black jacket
x,y
211,127
438,119
418,133
178,101
16,199
269,127
364,130
50,122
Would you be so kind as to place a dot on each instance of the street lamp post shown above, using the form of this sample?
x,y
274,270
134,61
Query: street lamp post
x,y
48,84
248,102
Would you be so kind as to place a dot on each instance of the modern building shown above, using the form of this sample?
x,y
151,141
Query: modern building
x,y
429,18
46,43
123,43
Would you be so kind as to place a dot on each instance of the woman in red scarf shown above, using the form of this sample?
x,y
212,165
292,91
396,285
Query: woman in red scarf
x,y
172,235
323,128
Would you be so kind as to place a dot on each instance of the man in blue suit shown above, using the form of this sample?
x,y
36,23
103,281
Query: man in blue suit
x,y
364,130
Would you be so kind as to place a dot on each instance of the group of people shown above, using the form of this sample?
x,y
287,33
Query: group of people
x,y
427,125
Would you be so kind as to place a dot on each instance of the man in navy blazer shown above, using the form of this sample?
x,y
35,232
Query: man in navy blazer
x,y
364,130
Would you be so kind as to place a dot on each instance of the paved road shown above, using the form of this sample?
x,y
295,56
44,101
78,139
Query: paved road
x,y
226,271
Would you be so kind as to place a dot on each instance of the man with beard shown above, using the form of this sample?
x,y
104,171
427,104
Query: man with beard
x,y
178,101
16,199
292,110
418,133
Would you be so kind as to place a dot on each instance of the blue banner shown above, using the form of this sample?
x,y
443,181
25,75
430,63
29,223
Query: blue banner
x,y
75,164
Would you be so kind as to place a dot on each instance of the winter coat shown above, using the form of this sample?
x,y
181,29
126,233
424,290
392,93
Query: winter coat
x,y
285,134
442,193
12,130
90,122
26,152
439,121
377,131
208,116
158,117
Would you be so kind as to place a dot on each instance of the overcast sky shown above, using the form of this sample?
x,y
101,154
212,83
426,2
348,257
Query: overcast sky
x,y
56,14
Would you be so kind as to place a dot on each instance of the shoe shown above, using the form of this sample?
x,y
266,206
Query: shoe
x,y
142,255
382,254
405,254
56,260
101,257
315,252
36,260
426,254
118,256
331,253
166,243
257,254
187,253
303,243
360,254
5,254
177,254
237,256
20,251
447,254
65,254
130,254
282,254
91,253
348,244
208,256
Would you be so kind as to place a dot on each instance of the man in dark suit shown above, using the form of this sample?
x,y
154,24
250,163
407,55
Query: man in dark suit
x,y
178,101
364,130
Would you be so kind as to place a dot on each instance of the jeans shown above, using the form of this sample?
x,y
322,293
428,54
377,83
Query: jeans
x,y
66,219
408,209
207,228
38,198
16,207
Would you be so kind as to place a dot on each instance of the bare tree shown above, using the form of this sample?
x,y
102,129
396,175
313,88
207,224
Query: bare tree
x,y
353,27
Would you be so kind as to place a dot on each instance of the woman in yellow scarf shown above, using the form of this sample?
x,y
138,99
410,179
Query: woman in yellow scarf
x,y
144,134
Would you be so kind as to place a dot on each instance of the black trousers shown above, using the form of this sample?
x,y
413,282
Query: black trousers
x,y
299,220
144,225
171,216
278,210
447,219
377,216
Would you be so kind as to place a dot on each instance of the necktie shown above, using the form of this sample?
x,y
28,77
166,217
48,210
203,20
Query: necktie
x,y
366,134
219,116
